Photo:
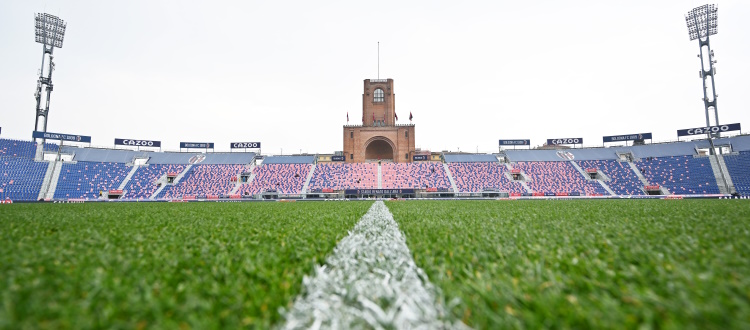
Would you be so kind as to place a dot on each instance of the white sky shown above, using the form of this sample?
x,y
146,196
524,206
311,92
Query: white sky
x,y
471,72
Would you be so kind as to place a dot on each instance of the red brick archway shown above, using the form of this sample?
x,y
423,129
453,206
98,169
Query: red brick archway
x,y
379,148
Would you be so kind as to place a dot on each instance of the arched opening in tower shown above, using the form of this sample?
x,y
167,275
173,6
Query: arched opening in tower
x,y
379,150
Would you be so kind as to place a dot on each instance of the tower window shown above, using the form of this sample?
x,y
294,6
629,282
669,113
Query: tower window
x,y
406,134
378,96
351,135
406,156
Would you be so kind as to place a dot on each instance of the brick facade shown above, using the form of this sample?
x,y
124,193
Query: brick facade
x,y
379,137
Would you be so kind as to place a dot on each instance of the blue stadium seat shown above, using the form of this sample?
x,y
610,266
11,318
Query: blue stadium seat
x,y
682,175
21,178
84,180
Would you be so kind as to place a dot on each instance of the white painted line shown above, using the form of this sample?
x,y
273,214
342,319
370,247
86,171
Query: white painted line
x,y
370,281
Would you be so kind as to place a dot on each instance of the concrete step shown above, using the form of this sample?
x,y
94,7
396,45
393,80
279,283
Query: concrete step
x,y
52,187
127,178
450,178
307,180
46,181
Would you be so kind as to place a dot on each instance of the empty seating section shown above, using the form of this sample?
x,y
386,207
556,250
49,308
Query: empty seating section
x,y
558,177
86,179
18,148
739,171
204,180
21,178
682,175
338,176
283,178
476,177
623,180
414,175
143,183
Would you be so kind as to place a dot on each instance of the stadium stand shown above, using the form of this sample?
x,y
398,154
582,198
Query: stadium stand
x,y
21,178
414,175
205,180
84,180
479,176
282,178
623,180
143,183
682,175
19,148
558,177
739,170
339,176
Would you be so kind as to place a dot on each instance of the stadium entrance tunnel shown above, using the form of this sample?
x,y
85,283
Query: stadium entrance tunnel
x,y
379,148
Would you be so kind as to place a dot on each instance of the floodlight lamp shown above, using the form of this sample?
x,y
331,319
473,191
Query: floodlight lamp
x,y
702,21
49,30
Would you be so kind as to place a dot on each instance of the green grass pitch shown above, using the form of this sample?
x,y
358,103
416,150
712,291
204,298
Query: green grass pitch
x,y
586,264
508,264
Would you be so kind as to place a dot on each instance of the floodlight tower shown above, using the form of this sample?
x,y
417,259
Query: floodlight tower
x,y
50,31
701,23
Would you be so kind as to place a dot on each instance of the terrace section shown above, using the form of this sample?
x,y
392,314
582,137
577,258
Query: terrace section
x,y
84,180
484,175
21,178
342,176
205,180
623,180
286,178
682,175
19,148
739,169
558,178
143,183
425,175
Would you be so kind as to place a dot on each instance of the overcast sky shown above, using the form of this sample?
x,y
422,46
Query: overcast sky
x,y
286,73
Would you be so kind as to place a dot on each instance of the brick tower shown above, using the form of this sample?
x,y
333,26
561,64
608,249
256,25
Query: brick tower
x,y
379,138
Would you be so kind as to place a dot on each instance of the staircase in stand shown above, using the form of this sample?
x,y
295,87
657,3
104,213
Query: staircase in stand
x,y
720,174
380,177
164,184
307,180
128,177
46,181
52,184
450,178
523,183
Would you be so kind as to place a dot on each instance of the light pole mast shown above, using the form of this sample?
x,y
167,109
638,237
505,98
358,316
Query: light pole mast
x,y
49,31
701,23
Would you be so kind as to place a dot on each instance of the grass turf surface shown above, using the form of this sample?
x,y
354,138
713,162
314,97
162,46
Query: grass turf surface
x,y
161,265
586,264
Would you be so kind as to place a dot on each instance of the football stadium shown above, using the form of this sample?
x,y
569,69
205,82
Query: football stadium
x,y
377,232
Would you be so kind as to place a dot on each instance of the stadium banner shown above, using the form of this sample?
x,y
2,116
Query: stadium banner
x,y
709,129
515,142
421,157
244,145
554,142
338,158
61,137
377,191
626,137
197,145
137,143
